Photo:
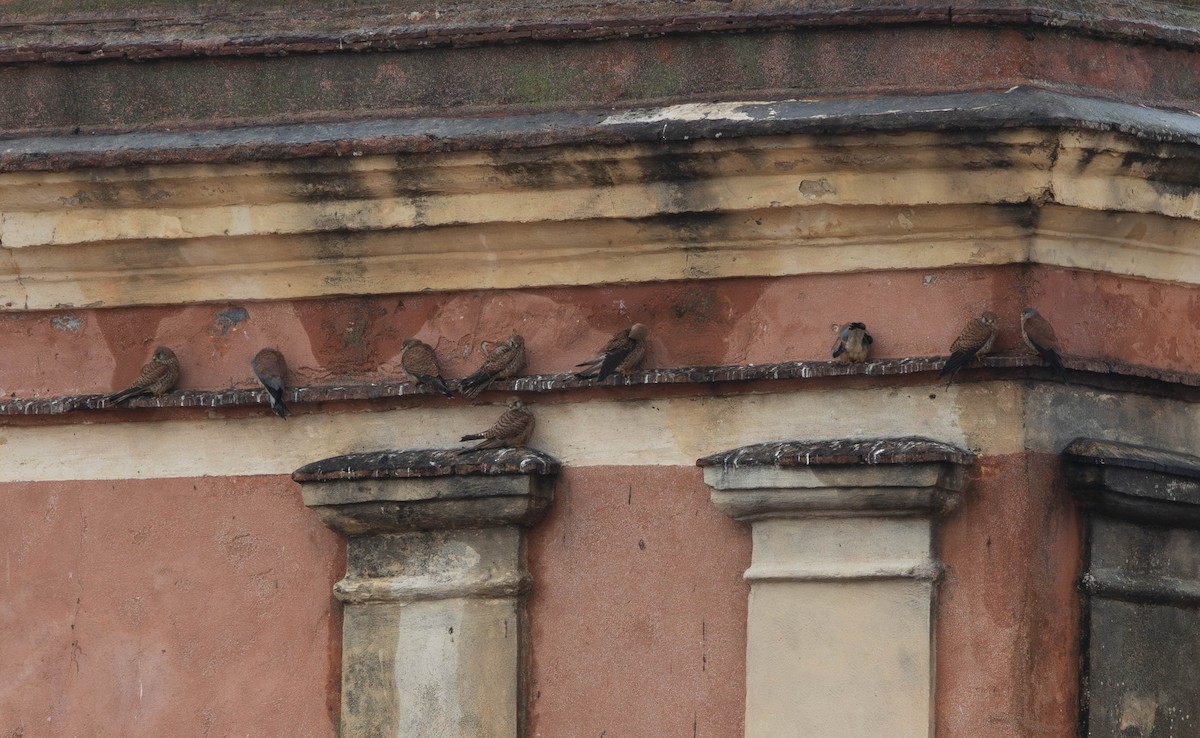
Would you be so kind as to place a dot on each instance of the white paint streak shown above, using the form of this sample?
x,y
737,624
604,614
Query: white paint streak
x,y
687,112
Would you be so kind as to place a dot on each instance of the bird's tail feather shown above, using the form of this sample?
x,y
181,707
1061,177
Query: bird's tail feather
x,y
123,395
957,361
276,399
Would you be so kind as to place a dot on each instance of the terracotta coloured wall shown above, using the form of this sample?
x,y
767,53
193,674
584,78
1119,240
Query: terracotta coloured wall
x,y
138,607
727,321
151,603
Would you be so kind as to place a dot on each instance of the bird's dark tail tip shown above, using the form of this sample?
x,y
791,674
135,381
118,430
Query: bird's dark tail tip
x,y
471,437
280,409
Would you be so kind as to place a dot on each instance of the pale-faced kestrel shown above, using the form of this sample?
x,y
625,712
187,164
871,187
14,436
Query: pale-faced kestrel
x,y
973,343
1039,335
622,354
512,430
853,344
503,362
421,363
271,370
157,377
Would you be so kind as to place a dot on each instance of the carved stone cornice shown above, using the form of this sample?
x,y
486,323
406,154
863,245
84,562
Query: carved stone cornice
x,y
764,191
1138,483
428,489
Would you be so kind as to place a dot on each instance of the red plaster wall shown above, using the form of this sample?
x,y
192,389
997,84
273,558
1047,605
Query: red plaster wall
x,y
911,313
1008,611
638,611
171,607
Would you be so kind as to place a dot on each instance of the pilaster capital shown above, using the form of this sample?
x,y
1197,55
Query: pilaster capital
x,y
836,478
1137,483
428,489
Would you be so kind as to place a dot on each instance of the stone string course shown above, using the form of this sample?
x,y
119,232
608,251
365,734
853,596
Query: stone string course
x,y
1086,371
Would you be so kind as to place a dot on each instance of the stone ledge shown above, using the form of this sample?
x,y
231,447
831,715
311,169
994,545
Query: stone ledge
x,y
1095,373
1022,106
1133,482
786,454
844,478
387,492
433,462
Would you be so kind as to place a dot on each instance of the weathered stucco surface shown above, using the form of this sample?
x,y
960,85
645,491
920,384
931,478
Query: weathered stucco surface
x,y
165,607
691,209
638,611
1008,610
722,321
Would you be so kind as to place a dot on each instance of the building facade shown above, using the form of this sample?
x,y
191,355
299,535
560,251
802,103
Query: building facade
x,y
742,537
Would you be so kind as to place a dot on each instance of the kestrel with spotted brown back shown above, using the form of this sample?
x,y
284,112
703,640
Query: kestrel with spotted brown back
x,y
972,344
421,363
512,430
622,354
1039,335
503,362
158,377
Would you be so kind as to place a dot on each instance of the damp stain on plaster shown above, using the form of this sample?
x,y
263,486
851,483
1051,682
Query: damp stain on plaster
x,y
227,319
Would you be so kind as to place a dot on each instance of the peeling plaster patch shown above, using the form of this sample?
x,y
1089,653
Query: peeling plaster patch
x,y
1138,714
227,319
815,188
67,323
689,112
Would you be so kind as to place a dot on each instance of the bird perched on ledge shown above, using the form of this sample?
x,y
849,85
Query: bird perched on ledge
x,y
1039,335
157,377
512,430
420,361
973,343
621,354
271,369
853,344
503,362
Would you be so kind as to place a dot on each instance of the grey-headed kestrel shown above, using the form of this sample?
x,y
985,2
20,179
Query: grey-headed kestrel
x,y
157,377
512,429
973,343
853,344
421,363
1039,336
621,354
503,362
271,369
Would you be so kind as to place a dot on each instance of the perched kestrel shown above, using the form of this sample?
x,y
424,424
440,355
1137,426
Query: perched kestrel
x,y
853,344
512,429
503,362
271,369
621,354
421,363
973,343
157,377
1039,336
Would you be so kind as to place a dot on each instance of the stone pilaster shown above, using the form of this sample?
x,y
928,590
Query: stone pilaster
x,y
433,632
1141,584
839,636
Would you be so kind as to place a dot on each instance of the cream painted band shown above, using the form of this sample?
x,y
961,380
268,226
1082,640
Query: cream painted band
x,y
575,215
673,432
990,418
